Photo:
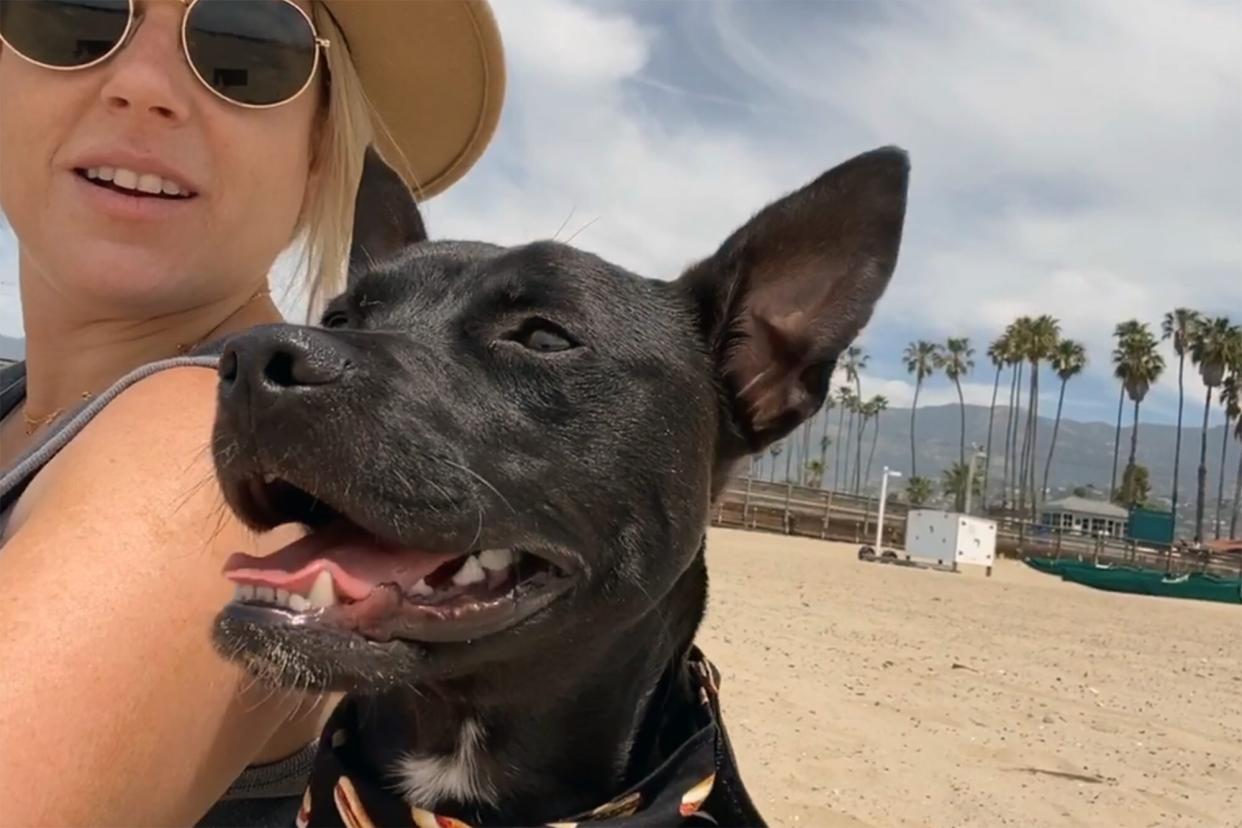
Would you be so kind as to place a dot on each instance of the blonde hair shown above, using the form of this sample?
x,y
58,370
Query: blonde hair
x,y
343,132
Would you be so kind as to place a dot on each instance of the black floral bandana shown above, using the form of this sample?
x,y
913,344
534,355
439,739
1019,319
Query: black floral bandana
x,y
698,784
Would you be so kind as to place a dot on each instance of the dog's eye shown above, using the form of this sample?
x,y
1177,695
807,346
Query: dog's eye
x,y
543,336
335,319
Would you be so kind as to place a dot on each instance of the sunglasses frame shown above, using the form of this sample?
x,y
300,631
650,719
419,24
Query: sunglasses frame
x,y
321,44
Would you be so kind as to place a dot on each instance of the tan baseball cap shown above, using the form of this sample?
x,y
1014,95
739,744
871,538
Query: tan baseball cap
x,y
435,75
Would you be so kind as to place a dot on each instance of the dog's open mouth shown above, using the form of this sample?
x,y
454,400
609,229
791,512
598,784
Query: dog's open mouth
x,y
345,576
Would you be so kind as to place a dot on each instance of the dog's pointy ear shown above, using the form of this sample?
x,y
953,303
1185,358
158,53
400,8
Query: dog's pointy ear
x,y
788,291
386,217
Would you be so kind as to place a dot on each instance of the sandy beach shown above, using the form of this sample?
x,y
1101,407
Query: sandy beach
x,y
863,694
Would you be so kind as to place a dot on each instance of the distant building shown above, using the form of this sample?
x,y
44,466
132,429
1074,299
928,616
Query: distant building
x,y
1081,516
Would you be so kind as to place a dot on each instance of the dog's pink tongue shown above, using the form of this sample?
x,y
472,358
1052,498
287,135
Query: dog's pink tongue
x,y
357,563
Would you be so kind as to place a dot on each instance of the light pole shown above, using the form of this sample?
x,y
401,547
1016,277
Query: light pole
x,y
879,523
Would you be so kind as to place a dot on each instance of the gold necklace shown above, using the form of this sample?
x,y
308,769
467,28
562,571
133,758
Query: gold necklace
x,y
33,423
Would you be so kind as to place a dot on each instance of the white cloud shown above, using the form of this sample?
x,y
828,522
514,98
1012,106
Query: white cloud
x,y
565,45
584,155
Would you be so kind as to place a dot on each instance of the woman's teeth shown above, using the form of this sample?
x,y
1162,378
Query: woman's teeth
x,y
124,179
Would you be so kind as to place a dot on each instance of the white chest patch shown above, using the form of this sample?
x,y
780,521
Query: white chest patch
x,y
427,780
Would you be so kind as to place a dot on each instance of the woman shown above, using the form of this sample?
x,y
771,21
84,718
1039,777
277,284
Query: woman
x,y
155,158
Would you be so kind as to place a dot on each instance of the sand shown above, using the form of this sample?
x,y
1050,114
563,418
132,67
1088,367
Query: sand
x,y
865,694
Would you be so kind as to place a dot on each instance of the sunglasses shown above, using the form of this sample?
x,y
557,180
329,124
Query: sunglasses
x,y
253,53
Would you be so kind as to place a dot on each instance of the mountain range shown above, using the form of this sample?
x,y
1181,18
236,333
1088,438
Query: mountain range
x,y
11,348
1083,458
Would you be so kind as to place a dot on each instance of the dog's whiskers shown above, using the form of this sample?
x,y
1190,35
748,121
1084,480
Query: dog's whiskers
x,y
581,229
479,478
565,222
478,530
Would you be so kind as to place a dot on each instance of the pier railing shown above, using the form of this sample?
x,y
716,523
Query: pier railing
x,y
785,508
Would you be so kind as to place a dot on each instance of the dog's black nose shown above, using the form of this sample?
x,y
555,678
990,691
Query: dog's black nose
x,y
276,359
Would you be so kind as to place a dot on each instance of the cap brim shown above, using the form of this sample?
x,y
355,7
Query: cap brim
x,y
434,72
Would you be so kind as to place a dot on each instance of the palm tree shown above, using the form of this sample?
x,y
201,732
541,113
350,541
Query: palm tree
x,y
775,451
918,491
1213,348
998,353
863,418
1139,364
876,406
1014,336
824,442
814,472
1041,344
1231,399
851,406
1123,332
853,362
1068,362
789,453
843,398
1179,325
957,360
1237,483
954,482
806,450
920,358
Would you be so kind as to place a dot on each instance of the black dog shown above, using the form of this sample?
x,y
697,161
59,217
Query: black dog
x,y
507,457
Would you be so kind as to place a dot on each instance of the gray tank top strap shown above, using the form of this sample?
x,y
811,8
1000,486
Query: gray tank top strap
x,y
262,795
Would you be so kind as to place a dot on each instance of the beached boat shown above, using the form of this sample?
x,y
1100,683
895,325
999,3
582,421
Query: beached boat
x,y
1140,581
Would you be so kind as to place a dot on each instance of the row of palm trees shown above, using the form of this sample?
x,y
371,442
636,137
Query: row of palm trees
x,y
1026,343
1029,344
1214,346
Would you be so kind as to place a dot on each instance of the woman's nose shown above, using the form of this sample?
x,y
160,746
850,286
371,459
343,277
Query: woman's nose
x,y
148,77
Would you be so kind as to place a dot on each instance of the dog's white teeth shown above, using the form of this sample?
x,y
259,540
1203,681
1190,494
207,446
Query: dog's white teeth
x,y
285,598
471,572
496,559
421,588
322,594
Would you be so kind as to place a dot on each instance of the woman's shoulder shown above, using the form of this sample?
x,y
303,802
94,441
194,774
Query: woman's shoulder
x,y
173,404
149,434
123,541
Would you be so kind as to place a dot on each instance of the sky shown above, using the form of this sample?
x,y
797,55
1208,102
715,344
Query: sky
x,y
1081,158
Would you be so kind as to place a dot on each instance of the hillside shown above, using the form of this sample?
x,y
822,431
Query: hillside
x,y
11,348
1084,454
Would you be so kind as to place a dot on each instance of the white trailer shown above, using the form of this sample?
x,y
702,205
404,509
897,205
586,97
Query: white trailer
x,y
950,538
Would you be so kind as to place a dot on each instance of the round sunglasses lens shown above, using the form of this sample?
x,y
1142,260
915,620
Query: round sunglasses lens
x,y
256,52
63,33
